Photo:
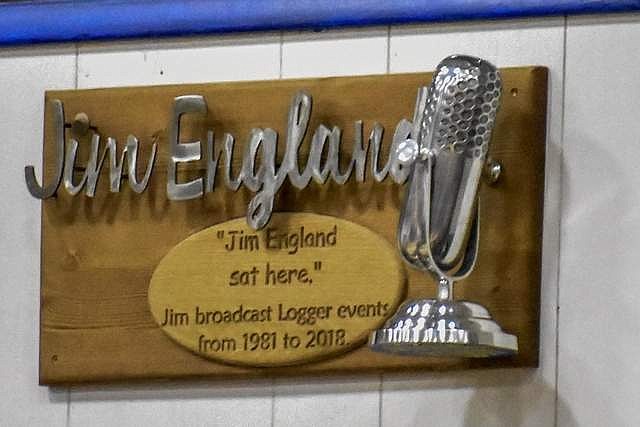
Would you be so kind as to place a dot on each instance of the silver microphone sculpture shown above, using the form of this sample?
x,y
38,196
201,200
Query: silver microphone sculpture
x,y
439,224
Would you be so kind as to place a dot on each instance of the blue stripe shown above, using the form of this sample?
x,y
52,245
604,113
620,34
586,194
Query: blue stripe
x,y
66,20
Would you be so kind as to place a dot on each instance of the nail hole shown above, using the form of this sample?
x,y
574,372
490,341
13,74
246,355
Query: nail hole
x,y
54,358
514,91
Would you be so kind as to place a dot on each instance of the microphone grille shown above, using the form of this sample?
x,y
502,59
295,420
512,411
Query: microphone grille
x,y
461,108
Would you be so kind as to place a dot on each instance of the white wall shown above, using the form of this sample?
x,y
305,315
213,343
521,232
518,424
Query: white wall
x,y
588,366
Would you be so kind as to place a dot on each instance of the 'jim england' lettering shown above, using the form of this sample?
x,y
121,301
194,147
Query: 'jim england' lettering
x,y
264,179
274,239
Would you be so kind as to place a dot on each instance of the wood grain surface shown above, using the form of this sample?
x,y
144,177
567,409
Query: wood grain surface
x,y
98,255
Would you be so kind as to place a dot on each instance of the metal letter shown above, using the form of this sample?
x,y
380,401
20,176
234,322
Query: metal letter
x,y
69,168
185,152
297,123
132,156
29,172
94,166
261,206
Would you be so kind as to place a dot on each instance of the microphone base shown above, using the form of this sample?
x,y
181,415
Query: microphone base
x,y
430,327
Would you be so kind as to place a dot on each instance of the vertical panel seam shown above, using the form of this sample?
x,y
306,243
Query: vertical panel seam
x,y
273,402
380,400
76,78
388,49
280,48
560,209
68,412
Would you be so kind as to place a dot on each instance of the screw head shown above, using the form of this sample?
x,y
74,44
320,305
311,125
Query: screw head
x,y
81,124
493,170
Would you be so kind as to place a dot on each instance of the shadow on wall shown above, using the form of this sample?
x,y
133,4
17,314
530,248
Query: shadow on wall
x,y
493,398
164,390
213,389
490,398
514,404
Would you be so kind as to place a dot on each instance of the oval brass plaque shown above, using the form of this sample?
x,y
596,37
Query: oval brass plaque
x,y
306,287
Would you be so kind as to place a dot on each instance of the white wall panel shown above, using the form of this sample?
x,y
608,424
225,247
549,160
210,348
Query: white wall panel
x,y
163,62
337,401
335,53
496,397
193,60
598,370
211,404
24,76
599,275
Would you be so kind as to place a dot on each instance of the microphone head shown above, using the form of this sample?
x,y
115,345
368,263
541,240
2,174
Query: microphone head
x,y
437,229
460,113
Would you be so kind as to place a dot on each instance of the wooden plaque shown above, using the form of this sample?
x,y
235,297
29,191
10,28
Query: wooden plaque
x,y
100,255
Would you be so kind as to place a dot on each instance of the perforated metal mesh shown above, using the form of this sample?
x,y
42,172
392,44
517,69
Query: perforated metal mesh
x,y
462,106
